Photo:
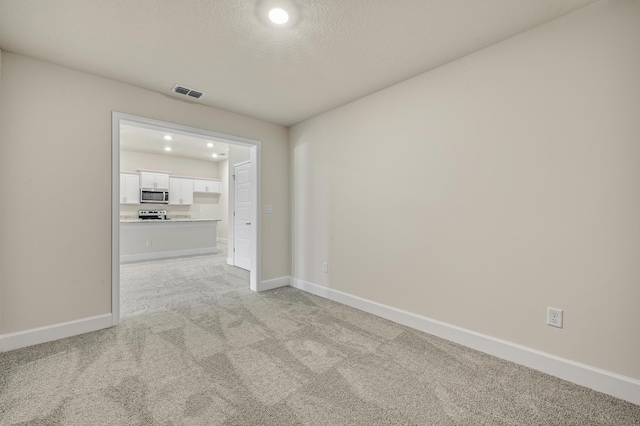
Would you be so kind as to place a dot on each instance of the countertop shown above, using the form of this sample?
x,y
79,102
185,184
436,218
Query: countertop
x,y
170,220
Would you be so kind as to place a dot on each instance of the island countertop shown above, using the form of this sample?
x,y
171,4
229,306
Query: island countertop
x,y
169,220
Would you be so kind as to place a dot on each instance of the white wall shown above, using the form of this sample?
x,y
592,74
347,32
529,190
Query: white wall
x,y
132,161
483,191
57,267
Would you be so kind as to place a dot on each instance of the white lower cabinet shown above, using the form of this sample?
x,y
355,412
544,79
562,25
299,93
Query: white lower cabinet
x,y
129,188
180,191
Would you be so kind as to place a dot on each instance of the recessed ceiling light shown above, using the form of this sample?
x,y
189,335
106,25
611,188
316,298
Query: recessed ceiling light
x,y
278,16
210,145
214,155
168,137
167,148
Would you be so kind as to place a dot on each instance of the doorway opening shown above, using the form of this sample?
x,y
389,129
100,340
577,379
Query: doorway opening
x,y
246,151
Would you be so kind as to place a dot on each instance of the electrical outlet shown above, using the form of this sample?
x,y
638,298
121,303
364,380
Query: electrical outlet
x,y
554,317
148,243
268,209
325,267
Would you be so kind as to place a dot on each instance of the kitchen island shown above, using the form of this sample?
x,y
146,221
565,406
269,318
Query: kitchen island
x,y
145,239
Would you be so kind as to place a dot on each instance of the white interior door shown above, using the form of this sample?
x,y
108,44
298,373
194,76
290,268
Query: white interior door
x,y
242,235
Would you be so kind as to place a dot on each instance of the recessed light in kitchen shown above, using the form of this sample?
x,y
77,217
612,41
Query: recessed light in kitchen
x,y
214,155
167,137
167,148
278,16
210,145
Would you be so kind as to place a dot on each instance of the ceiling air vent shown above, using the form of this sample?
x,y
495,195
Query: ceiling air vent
x,y
188,92
195,94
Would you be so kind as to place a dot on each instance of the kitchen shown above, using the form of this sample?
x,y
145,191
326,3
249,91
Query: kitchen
x,y
173,194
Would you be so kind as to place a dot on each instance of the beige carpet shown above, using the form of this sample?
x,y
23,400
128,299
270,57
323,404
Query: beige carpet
x,y
223,355
176,283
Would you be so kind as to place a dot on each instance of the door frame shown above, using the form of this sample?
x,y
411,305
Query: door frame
x,y
255,155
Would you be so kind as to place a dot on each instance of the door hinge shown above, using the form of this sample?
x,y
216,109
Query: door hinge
x,y
234,214
234,177
234,249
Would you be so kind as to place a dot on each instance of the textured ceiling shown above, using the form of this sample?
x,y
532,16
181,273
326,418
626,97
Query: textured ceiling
x,y
330,53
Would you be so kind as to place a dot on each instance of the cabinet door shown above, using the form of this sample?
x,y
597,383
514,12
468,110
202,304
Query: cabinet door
x,y
209,186
147,180
181,191
200,185
175,190
162,181
154,180
214,186
123,196
187,191
132,189
129,188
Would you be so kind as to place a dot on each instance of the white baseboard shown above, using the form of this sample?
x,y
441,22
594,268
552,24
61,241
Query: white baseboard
x,y
274,283
35,336
594,378
230,261
222,240
165,254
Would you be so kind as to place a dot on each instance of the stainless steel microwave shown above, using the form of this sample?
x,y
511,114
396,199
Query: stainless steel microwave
x,y
156,196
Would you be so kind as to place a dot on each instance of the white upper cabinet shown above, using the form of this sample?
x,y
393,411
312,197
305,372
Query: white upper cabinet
x,y
147,180
129,188
206,185
154,180
181,191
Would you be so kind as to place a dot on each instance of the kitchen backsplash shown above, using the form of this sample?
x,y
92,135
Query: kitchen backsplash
x,y
203,207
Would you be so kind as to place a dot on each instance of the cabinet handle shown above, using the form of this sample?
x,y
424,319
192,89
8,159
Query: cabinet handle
x,y
248,223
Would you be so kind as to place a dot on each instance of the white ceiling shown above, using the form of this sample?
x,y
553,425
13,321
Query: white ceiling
x,y
140,139
332,51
